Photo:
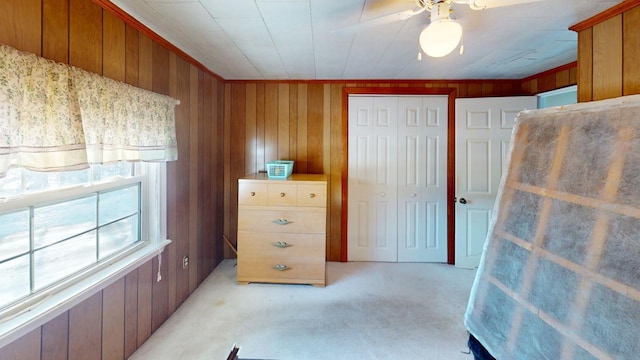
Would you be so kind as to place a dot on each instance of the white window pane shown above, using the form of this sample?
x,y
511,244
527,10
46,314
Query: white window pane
x,y
63,259
118,204
14,234
63,220
117,236
15,279
103,172
11,185
40,181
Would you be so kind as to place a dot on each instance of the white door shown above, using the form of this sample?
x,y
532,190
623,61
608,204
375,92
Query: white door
x,y
483,134
422,179
372,184
397,209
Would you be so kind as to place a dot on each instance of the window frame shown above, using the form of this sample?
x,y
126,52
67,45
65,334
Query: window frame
x,y
45,304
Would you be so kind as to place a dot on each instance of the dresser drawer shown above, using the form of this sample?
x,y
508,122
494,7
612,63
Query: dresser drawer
x,y
275,245
312,195
282,194
294,269
288,220
250,193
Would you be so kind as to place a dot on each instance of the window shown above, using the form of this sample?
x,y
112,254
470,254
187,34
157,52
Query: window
x,y
57,228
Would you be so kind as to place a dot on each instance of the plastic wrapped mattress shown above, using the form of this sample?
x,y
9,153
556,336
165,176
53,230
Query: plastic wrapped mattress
x,y
560,272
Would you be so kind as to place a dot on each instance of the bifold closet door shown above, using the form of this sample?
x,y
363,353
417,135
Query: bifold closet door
x,y
372,185
397,178
422,179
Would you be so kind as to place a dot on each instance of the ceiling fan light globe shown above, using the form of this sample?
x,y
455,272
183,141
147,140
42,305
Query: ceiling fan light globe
x,y
441,37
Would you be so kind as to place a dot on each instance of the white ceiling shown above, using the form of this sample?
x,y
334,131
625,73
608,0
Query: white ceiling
x,y
296,39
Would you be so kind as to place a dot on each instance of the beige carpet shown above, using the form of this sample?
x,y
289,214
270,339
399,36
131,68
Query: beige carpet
x,y
367,311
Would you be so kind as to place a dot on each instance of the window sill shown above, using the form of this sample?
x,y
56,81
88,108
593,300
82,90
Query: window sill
x,y
57,303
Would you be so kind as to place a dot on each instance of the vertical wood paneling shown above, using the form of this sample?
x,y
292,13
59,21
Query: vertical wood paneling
x,y
573,75
607,59
194,180
585,65
631,38
85,35
237,148
132,51
54,338
562,79
145,284
160,69
293,123
207,180
260,128
113,47
250,161
21,25
315,131
182,207
173,185
326,138
55,30
145,61
474,89
85,329
283,122
271,122
113,320
130,313
26,347
301,151
487,89
337,155
218,101
226,173
160,290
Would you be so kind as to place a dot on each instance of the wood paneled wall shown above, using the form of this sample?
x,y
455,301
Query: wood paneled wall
x,y
302,121
115,321
609,53
557,78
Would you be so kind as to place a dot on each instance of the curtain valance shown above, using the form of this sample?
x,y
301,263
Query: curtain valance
x,y
57,117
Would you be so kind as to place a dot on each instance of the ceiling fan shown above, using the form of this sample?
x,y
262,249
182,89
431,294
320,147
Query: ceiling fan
x,y
443,34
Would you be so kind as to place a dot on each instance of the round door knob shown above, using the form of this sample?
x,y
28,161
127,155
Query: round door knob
x,y
382,194
253,193
312,195
414,195
281,194
463,201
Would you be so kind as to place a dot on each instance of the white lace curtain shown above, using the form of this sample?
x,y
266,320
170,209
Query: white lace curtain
x,y
57,117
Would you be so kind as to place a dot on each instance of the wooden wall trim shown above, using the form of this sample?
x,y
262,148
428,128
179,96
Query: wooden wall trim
x,y
142,28
605,15
451,93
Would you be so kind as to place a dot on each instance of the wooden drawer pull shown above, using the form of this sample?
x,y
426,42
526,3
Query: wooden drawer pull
x,y
282,194
312,195
281,221
281,244
280,267
253,193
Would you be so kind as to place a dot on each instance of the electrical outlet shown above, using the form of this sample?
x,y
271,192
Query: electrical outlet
x,y
185,262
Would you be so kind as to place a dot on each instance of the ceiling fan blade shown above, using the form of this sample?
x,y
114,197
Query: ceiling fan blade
x,y
381,20
488,4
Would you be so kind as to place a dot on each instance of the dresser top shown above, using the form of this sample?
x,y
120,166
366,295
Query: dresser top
x,y
293,177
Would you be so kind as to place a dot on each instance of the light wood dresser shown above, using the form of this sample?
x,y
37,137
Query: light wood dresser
x,y
282,229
